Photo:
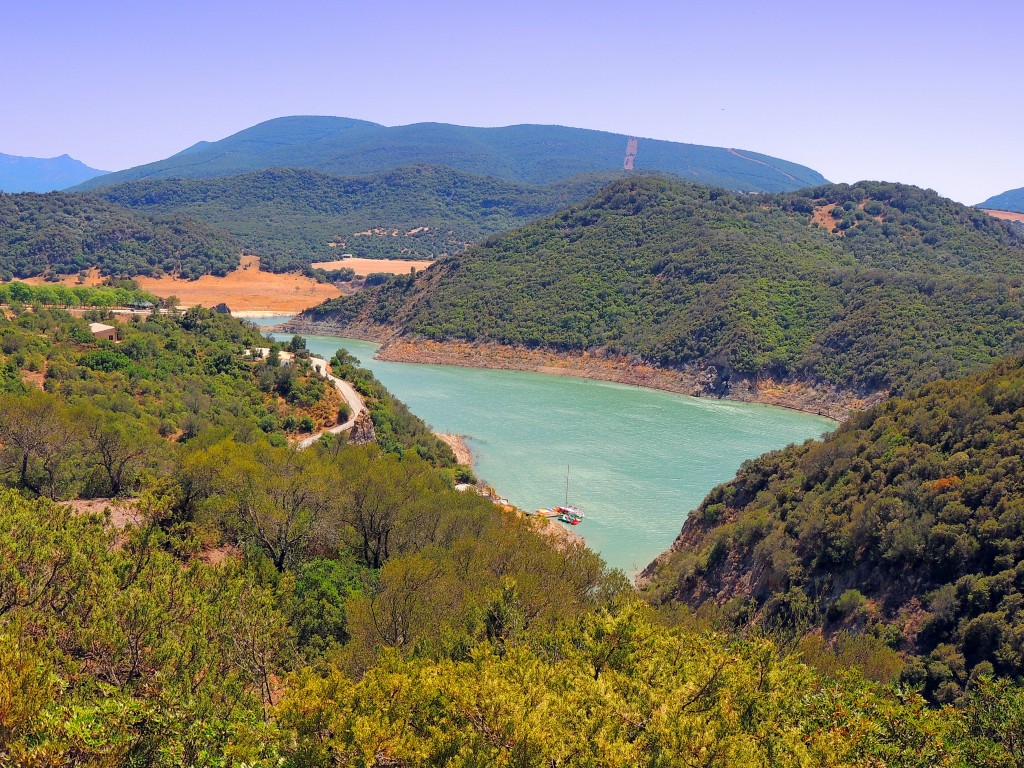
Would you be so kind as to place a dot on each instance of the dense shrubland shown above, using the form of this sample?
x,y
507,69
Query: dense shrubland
x,y
905,525
108,411
126,649
289,215
115,293
898,288
62,234
343,605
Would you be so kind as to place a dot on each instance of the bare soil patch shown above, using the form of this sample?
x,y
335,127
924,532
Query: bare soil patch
x,y
247,288
35,379
364,267
458,445
1006,215
217,555
823,217
122,511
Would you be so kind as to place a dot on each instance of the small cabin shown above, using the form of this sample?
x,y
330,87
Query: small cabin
x,y
101,331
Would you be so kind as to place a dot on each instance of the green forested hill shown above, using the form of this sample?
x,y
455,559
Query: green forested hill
x,y
534,154
1012,200
243,602
61,234
288,215
906,524
865,286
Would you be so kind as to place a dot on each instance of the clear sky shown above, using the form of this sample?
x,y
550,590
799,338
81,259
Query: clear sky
x,y
927,93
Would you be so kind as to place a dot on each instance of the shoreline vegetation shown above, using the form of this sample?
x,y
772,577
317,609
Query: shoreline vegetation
x,y
821,400
459,447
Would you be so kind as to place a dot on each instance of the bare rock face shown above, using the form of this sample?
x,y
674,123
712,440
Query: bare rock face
x,y
222,308
362,431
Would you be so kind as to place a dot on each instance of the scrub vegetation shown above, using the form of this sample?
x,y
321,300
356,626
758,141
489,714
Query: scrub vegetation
x,y
343,605
900,536
867,287
290,216
63,234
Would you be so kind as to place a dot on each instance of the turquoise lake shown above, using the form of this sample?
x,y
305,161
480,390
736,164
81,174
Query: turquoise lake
x,y
639,459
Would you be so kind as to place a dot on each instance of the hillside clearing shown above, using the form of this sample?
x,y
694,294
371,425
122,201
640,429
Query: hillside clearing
x,y
246,288
364,267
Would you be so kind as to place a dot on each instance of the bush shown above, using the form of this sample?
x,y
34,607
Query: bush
x,y
848,604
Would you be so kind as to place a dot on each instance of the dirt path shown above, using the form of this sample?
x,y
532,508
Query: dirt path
x,y
741,156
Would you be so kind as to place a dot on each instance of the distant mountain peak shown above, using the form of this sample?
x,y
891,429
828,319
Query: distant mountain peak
x,y
1012,200
43,174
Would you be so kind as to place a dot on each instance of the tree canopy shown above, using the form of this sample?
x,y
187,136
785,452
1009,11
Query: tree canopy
x,y
868,287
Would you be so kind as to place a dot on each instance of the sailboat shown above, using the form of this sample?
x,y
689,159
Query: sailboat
x,y
568,513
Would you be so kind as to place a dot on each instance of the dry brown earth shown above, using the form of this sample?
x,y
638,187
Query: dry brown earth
x,y
364,267
458,445
247,288
823,217
1007,215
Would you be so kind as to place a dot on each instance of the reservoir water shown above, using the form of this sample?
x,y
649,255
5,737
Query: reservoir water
x,y
639,459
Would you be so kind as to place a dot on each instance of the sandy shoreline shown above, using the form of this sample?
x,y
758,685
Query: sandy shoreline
x,y
256,314
826,401
822,401
459,447
819,400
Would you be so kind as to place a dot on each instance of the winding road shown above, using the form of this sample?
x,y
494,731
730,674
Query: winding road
x,y
348,392
355,402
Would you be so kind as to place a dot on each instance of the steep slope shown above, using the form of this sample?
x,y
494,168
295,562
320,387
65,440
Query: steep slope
x,y
864,287
37,174
534,154
907,523
61,234
1012,200
288,216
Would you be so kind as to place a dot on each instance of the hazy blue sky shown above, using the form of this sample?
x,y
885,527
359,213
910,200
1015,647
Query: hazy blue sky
x,y
923,92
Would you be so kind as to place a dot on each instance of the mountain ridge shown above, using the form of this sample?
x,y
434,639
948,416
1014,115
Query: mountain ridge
x,y
536,154
290,215
43,174
1011,200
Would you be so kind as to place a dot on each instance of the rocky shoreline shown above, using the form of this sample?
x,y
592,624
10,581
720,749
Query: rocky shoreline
x,y
821,400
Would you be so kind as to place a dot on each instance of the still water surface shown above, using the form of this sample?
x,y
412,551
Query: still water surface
x,y
640,460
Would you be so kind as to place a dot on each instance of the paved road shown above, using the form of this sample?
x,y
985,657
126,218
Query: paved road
x,y
355,402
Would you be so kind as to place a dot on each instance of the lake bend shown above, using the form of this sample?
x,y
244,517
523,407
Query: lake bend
x,y
639,460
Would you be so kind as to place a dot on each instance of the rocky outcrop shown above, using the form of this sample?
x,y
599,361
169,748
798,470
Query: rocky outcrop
x,y
362,430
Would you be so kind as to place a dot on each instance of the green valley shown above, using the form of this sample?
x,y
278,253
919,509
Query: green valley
x,y
290,216
244,602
